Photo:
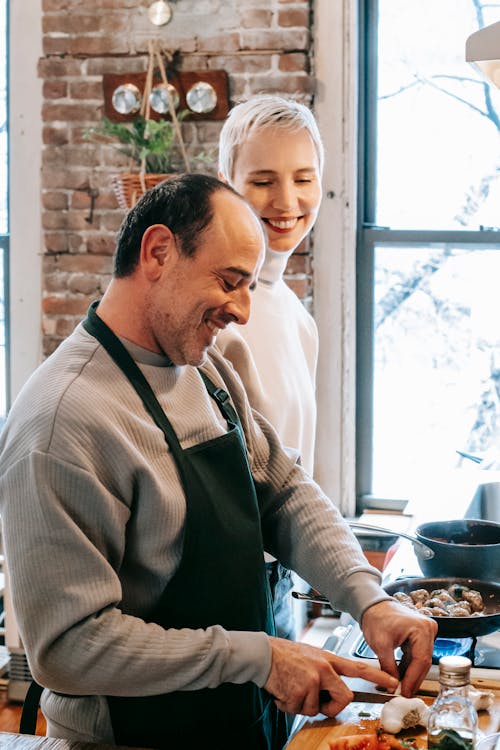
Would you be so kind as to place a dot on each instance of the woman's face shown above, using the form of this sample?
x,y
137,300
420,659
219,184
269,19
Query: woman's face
x,y
278,173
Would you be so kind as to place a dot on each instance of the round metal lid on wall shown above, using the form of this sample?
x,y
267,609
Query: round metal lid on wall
x,y
201,97
126,99
160,95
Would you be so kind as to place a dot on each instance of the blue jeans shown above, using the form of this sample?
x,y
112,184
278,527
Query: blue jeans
x,y
281,583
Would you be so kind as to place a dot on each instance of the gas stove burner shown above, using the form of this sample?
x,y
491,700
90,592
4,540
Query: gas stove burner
x,y
453,647
442,647
484,652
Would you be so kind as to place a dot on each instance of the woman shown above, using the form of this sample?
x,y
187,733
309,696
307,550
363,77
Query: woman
x,y
270,150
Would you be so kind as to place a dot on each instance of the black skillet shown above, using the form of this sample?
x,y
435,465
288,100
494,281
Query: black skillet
x,y
458,627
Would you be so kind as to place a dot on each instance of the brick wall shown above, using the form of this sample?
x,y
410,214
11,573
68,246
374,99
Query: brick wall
x,y
264,45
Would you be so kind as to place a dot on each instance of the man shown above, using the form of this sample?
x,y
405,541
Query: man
x,y
138,492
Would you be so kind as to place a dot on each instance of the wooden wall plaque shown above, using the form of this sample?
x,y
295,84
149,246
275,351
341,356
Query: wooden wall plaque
x,y
182,80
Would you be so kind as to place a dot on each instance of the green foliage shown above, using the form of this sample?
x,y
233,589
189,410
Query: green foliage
x,y
152,140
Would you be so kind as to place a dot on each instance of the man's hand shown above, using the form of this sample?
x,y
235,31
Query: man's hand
x,y
299,672
386,626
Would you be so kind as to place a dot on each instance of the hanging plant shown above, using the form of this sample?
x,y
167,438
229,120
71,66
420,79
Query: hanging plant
x,y
154,146
150,144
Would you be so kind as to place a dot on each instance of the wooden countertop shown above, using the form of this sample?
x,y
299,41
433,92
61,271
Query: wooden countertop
x,y
363,718
10,741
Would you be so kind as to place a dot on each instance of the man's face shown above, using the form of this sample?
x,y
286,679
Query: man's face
x,y
278,173
196,296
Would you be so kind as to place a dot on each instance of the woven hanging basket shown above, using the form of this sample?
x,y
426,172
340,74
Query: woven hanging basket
x,y
129,187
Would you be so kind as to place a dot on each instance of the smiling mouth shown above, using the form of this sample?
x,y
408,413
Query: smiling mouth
x,y
212,328
282,225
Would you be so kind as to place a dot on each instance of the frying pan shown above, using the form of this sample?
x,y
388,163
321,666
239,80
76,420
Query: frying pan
x,y
458,627
460,547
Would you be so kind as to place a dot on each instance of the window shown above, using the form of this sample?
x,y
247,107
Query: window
x,y
4,223
428,253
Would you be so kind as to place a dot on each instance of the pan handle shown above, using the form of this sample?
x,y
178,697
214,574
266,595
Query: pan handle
x,y
426,552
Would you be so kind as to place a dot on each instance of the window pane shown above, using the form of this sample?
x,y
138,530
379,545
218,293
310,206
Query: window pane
x,y
438,145
3,119
4,226
3,343
437,361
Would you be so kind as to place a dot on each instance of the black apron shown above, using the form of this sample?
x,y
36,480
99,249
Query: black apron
x,y
221,580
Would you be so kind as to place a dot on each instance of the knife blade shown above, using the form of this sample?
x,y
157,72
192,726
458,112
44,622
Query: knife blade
x,y
363,691
361,696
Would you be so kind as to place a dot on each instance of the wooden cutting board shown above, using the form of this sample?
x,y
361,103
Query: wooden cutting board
x,y
363,718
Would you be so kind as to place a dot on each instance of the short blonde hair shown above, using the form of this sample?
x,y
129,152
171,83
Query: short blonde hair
x,y
260,112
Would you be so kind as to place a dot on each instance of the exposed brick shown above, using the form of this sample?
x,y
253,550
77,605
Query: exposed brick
x,y
300,286
219,43
118,65
77,156
298,264
55,200
57,45
93,264
68,179
101,245
293,17
55,135
255,18
111,221
55,89
49,345
54,220
64,305
82,283
68,112
65,326
55,282
182,42
293,62
86,89
56,242
77,220
98,45
59,67
84,23
295,39
241,63
287,83
199,62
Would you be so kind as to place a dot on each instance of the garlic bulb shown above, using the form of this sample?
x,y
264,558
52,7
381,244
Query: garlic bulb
x,y
402,713
479,699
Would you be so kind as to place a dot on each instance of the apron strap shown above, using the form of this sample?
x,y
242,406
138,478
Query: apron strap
x,y
221,398
116,350
29,713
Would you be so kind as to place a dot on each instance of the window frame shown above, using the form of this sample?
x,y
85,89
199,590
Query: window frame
x,y
369,235
5,237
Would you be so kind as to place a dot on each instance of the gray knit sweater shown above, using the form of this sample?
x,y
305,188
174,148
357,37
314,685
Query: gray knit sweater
x,y
93,517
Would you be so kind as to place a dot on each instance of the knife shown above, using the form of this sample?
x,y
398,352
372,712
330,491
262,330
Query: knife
x,y
360,696
363,691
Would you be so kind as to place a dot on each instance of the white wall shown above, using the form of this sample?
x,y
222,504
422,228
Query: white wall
x,y
335,39
25,211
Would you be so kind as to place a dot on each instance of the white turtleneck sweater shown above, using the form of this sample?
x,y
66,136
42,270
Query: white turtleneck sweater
x,y
275,355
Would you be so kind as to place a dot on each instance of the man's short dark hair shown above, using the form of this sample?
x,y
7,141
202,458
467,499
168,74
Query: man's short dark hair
x,y
183,204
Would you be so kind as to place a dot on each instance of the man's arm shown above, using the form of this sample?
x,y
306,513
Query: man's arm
x,y
306,680
307,533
